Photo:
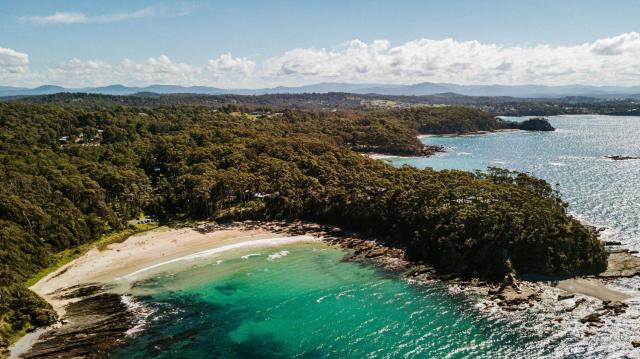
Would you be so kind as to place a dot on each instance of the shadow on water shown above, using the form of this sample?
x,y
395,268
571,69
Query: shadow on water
x,y
186,326
311,304
227,289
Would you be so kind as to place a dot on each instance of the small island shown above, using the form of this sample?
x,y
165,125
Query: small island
x,y
535,124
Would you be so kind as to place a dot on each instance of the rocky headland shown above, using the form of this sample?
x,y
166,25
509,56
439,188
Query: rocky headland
x,y
96,319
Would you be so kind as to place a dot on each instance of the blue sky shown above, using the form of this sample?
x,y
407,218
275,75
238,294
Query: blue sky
x,y
255,43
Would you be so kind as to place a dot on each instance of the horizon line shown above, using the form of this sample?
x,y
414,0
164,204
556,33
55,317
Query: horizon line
x,y
316,84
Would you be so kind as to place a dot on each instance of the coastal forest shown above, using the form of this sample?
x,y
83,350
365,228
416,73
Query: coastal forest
x,y
71,173
500,105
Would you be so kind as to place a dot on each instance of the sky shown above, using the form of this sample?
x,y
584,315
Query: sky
x,y
251,43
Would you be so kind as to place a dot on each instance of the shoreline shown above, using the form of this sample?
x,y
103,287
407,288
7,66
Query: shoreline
x,y
432,150
472,133
150,250
382,156
81,291
593,288
427,151
70,286
255,243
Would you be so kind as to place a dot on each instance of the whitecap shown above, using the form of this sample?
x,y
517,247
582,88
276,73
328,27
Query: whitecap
x,y
210,252
278,255
141,313
251,255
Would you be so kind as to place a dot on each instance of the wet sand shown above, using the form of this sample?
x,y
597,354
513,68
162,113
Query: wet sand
x,y
593,288
149,250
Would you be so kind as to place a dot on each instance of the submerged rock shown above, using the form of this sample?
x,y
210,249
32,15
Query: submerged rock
x,y
622,158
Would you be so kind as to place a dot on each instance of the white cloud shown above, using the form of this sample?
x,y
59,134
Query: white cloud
x,y
467,62
57,18
13,62
80,73
227,64
82,18
608,61
160,70
617,45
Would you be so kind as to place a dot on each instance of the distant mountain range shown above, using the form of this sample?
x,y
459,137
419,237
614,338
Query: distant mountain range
x,y
420,89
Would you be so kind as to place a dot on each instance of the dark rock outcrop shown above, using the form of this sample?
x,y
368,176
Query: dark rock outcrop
x,y
593,318
622,158
565,296
612,243
576,305
91,326
621,263
615,307
608,309
430,150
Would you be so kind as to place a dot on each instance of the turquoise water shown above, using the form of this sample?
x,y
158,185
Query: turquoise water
x,y
311,304
308,303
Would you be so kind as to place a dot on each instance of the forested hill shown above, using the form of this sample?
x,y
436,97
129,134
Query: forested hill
x,y
71,173
507,106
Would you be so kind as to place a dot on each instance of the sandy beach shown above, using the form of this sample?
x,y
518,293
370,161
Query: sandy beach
x,y
127,261
164,245
140,253
149,250
592,288
381,156
473,133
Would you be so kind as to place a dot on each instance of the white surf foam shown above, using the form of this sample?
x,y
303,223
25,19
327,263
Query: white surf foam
x,y
278,255
210,252
140,311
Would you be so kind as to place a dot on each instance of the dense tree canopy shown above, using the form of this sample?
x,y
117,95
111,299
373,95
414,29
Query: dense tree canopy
x,y
69,174
506,106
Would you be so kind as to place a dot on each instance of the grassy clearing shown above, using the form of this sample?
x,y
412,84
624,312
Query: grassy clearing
x,y
243,115
66,256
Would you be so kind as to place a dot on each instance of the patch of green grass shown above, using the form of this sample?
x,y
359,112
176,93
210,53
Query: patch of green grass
x,y
245,116
383,103
68,255
18,334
